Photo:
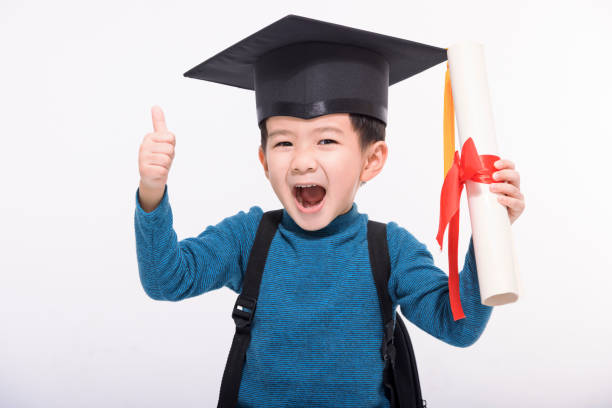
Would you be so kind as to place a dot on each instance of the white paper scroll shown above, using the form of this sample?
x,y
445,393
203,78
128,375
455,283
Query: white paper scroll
x,y
493,242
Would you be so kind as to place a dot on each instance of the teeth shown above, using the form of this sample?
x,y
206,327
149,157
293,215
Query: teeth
x,y
306,185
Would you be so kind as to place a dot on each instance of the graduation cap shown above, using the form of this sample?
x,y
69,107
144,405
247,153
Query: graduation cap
x,y
305,68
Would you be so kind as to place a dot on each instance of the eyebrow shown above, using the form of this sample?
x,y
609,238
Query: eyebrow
x,y
316,130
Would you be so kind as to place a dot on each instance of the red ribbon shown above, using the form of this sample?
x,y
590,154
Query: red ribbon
x,y
474,167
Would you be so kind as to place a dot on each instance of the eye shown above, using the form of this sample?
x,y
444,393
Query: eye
x,y
322,140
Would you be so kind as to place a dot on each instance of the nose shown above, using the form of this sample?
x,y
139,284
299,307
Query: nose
x,y
303,160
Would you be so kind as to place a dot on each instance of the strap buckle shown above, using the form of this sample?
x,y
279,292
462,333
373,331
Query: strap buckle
x,y
388,348
243,317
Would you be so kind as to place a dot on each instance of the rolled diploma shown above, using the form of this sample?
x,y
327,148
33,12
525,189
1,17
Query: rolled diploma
x,y
491,233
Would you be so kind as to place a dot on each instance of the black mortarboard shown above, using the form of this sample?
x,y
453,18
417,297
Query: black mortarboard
x,y
305,68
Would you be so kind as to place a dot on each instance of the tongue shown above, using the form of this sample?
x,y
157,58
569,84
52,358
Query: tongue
x,y
312,195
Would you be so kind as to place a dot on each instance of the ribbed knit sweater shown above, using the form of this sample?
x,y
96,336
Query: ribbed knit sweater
x,y
317,331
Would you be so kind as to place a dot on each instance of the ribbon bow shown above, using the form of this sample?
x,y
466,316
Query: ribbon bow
x,y
470,166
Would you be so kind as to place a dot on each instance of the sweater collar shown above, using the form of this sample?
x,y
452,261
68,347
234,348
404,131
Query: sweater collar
x,y
339,223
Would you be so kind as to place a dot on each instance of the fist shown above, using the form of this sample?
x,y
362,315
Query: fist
x,y
156,152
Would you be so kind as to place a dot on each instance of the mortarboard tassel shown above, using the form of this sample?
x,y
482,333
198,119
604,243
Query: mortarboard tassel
x,y
449,123
457,170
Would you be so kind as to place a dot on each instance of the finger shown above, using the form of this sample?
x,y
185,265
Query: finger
x,y
163,137
163,148
504,164
514,204
505,188
509,175
160,159
159,121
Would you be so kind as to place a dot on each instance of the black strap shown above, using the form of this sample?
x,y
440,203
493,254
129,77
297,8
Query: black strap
x,y
230,384
400,375
381,269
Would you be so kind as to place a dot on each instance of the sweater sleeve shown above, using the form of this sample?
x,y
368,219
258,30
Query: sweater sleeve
x,y
421,290
174,270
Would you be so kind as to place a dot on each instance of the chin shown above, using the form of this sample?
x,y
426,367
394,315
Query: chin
x,y
318,222
313,221
313,226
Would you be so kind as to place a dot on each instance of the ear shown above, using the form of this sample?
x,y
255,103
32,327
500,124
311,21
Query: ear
x,y
264,162
374,160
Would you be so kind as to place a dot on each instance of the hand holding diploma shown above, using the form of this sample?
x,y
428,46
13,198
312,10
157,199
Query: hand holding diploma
x,y
509,186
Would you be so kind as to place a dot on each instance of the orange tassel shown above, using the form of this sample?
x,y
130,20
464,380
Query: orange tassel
x,y
449,124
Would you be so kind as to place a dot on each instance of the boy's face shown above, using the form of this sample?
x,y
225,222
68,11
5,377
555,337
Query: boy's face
x,y
325,151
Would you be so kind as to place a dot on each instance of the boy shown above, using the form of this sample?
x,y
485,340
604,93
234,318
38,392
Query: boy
x,y
315,339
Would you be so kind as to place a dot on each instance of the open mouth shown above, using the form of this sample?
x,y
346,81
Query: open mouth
x,y
309,199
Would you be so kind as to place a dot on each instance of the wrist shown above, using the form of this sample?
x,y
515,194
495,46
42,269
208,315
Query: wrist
x,y
150,197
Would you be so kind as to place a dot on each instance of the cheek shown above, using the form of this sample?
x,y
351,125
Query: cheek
x,y
343,165
277,171
343,173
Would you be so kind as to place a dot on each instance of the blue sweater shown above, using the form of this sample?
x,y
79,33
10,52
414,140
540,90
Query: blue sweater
x,y
317,332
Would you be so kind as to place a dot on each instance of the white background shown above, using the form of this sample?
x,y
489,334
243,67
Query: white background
x,y
77,84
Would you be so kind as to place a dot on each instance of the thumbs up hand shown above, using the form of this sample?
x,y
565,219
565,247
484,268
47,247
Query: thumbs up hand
x,y
156,153
154,160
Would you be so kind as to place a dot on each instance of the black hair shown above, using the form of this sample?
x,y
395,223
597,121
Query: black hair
x,y
369,129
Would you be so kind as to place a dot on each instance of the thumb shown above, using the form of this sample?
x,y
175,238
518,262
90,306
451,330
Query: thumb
x,y
159,121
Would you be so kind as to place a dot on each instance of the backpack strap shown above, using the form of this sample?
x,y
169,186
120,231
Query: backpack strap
x,y
381,269
400,375
244,308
